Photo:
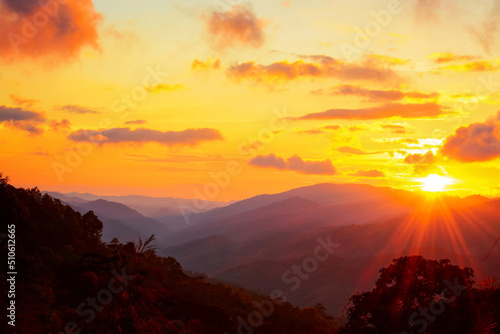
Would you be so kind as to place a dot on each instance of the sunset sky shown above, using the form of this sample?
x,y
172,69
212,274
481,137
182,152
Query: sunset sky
x,y
160,98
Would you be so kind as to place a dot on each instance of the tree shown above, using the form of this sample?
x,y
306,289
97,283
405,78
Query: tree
x,y
408,297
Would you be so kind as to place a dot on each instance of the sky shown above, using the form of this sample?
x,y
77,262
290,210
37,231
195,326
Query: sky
x,y
228,99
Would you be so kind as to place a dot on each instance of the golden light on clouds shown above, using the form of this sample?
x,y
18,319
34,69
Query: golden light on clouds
x,y
198,85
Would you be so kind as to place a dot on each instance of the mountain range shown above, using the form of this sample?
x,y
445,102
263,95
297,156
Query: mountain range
x,y
257,241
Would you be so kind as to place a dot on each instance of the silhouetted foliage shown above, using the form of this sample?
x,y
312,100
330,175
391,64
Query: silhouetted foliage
x,y
415,295
69,279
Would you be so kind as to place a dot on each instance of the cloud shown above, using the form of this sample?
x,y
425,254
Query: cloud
x,y
369,173
354,151
21,119
486,33
294,163
238,26
61,125
423,164
324,129
318,66
427,158
28,126
77,109
448,57
426,110
474,66
164,88
358,128
310,132
18,114
143,135
209,64
394,128
426,10
474,142
331,127
136,122
374,95
47,28
22,102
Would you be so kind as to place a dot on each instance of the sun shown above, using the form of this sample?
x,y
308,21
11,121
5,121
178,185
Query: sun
x,y
435,183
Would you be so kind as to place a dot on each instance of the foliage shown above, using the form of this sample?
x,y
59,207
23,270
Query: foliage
x,y
425,296
66,274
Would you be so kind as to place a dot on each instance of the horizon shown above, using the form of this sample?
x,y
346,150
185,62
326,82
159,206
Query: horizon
x,y
419,189
231,92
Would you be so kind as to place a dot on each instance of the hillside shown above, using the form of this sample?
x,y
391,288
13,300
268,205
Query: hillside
x,y
68,279
371,225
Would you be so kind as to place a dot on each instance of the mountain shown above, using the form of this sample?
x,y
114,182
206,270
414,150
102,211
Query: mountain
x,y
254,242
73,282
169,217
144,204
66,198
122,221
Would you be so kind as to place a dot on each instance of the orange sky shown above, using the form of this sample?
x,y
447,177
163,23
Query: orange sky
x,y
230,99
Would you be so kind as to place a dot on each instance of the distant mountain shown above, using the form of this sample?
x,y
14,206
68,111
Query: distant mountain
x,y
253,242
303,208
121,221
66,198
144,204
73,282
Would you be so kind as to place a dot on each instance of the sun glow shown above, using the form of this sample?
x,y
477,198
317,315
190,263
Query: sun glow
x,y
435,183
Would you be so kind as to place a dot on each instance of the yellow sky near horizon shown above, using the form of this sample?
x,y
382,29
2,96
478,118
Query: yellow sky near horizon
x,y
171,98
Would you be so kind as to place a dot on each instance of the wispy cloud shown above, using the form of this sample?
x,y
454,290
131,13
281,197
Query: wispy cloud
x,y
126,135
165,88
294,163
318,66
373,95
75,109
426,110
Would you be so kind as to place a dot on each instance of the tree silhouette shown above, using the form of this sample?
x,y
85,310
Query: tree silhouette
x,y
406,295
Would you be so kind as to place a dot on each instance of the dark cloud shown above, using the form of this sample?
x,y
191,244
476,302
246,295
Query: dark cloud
x,y
294,163
126,135
370,69
423,164
77,109
47,28
60,125
31,127
474,142
426,110
18,114
22,119
238,26
426,159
